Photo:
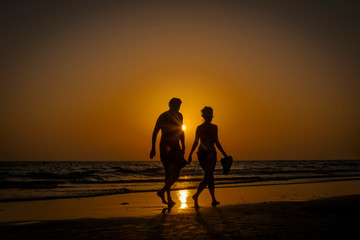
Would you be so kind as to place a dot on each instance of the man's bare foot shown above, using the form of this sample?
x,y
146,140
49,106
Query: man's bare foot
x,y
196,204
161,195
214,203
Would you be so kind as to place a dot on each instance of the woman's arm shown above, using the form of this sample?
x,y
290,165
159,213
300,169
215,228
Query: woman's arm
x,y
195,144
217,143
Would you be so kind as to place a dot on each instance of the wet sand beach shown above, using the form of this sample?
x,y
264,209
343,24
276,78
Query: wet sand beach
x,y
260,212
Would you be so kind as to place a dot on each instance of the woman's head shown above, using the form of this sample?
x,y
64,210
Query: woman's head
x,y
207,114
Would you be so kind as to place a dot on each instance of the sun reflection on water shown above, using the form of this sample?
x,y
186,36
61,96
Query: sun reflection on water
x,y
183,195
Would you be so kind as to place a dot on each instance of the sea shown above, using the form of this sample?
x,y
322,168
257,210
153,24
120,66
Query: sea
x,y
24,181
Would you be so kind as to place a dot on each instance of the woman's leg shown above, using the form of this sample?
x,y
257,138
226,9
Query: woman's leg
x,y
201,187
208,165
210,177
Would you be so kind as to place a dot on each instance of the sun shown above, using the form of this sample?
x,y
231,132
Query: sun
x,y
183,127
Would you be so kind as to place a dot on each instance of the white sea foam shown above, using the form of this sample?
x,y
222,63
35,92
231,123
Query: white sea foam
x,y
49,180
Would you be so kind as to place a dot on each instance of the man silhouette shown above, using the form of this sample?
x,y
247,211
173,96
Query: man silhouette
x,y
170,123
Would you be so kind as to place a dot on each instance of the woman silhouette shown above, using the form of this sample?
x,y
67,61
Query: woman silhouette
x,y
208,135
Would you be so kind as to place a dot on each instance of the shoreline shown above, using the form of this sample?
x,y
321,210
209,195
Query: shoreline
x,y
177,188
147,204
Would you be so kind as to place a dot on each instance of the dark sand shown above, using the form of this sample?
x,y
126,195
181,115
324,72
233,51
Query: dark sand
x,y
327,210
331,218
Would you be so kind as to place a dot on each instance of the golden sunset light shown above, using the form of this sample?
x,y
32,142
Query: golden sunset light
x,y
88,82
217,119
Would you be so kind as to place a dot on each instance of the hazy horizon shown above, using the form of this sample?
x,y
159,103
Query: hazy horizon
x,y
157,160
87,81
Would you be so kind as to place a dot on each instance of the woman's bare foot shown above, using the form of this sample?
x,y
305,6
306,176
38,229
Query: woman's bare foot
x,y
196,204
214,203
161,195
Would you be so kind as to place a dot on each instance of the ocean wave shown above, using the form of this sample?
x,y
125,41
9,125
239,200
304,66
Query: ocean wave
x,y
98,193
146,171
50,180
28,184
71,175
74,195
43,184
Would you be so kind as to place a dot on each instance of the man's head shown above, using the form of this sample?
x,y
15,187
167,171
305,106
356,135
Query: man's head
x,y
175,104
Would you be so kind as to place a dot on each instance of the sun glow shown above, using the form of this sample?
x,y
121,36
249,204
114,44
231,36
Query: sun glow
x,y
183,195
183,127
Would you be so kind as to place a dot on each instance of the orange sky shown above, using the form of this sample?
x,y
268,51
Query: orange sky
x,y
87,82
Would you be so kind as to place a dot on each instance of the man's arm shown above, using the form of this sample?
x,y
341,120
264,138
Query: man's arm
x,y
153,141
182,140
182,137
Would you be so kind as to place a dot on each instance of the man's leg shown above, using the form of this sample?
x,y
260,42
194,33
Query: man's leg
x,y
171,176
161,192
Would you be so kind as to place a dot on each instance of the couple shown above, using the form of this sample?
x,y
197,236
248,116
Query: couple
x,y
170,123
